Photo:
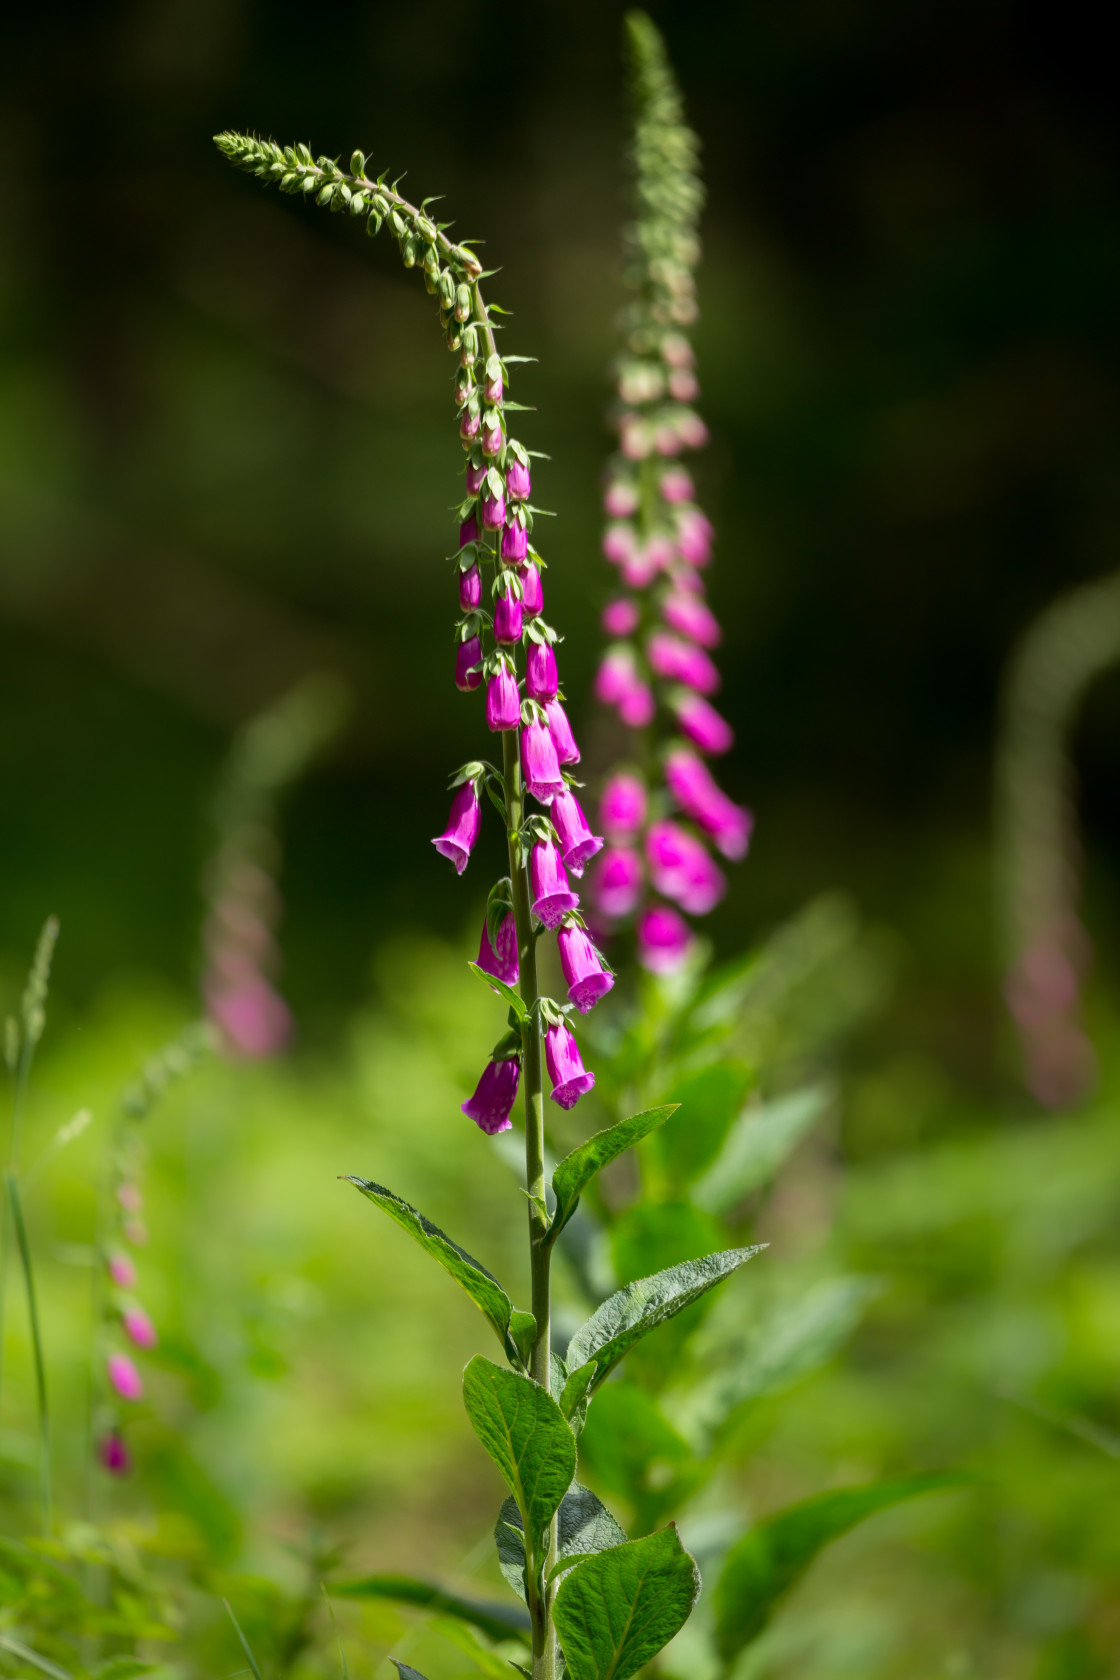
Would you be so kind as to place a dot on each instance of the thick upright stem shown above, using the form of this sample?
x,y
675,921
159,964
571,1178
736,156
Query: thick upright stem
x,y
532,1078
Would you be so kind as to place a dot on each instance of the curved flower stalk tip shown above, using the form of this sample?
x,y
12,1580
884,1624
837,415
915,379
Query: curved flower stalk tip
x,y
662,810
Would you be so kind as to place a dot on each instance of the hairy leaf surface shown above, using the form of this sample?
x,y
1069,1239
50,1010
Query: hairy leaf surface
x,y
577,1169
584,1525
482,1286
523,1430
618,1609
770,1558
633,1311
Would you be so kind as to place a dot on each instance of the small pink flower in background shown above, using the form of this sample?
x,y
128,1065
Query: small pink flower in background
x,y
618,882
122,1271
253,1017
621,617
703,724
130,1197
139,1328
114,1454
622,809
664,940
124,1376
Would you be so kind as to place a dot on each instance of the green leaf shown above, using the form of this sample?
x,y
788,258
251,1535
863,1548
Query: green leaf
x,y
634,1451
482,1287
16,1648
578,1168
618,1609
405,1672
512,998
709,1101
770,1558
245,1646
523,1333
760,1144
523,1430
498,1621
584,1525
633,1311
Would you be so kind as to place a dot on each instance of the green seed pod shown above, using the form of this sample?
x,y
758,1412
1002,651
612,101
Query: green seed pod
x,y
446,289
357,163
326,194
341,198
310,182
464,303
357,203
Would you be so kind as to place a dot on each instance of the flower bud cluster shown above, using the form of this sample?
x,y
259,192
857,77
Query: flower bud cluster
x,y
664,816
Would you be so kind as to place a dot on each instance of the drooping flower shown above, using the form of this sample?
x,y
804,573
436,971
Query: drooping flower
x,y
570,1079
122,1271
549,887
691,617
503,700
468,658
470,589
519,484
691,783
515,543
664,940
621,617
560,729
507,616
253,1017
584,975
463,826
703,724
577,843
500,959
494,1097
681,661
532,594
138,1327
682,869
622,808
541,680
618,882
539,763
491,506
124,1376
468,528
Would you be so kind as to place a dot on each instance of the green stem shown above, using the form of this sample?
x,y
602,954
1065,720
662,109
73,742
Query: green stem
x,y
24,1247
23,1074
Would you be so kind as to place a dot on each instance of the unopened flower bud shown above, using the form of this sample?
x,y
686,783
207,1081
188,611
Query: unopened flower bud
x,y
468,656
468,531
691,617
621,617
507,617
139,1328
532,593
636,706
620,542
122,1271
476,477
676,485
491,433
541,679
549,887
114,1454
469,338
676,350
515,542
539,763
621,499
664,940
703,725
446,285
691,430
570,1079
469,426
124,1376
503,701
494,1097
130,1197
622,808
470,589
518,482
464,303
493,388
684,386
584,975
500,959
577,843
694,537
463,827
567,752
464,387
493,509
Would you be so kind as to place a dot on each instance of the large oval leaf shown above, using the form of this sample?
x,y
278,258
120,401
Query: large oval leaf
x,y
617,1609
523,1430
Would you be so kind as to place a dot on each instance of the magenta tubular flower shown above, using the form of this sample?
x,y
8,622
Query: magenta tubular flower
x,y
470,589
494,1097
549,887
139,1328
468,529
539,763
621,499
500,960
468,426
493,509
532,594
515,543
491,435
676,485
541,680
694,537
637,706
463,825
640,568
518,481
692,786
620,617
617,885
584,975
253,1017
619,543
703,724
570,1079
507,617
567,752
664,940
475,477
680,868
682,662
691,617
124,1376
577,843
468,655
114,1454
122,1271
615,674
622,809
503,701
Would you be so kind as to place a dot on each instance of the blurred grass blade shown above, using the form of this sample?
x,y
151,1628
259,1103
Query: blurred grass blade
x,y
37,1347
334,1628
773,1556
25,1654
245,1646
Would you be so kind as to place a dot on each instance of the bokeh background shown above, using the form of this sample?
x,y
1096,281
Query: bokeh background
x,y
227,459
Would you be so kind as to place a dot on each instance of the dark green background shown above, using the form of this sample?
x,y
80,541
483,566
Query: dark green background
x,y
227,443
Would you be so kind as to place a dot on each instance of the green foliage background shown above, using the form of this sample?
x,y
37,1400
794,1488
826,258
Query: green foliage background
x,y
226,452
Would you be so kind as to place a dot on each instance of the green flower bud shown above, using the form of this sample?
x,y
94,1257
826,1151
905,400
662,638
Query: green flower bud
x,y
373,226
309,184
409,252
446,289
469,342
464,303
341,198
357,163
357,203
326,194
454,336
398,223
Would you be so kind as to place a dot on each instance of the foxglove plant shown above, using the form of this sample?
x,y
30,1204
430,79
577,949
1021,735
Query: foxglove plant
x,y
608,1603
657,671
